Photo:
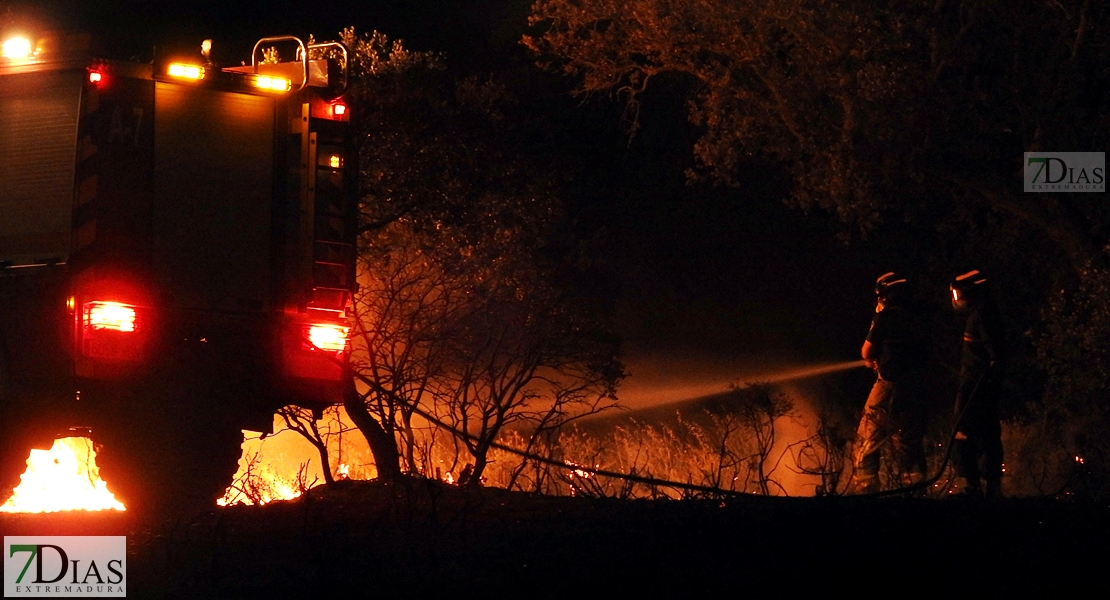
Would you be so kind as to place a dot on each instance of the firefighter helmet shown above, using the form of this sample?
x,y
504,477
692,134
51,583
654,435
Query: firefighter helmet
x,y
969,285
890,285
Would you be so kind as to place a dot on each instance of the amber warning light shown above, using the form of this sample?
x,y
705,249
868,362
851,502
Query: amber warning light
x,y
185,71
276,84
16,48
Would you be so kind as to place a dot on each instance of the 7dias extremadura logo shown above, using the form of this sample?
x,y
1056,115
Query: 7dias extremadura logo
x,y
1065,171
55,566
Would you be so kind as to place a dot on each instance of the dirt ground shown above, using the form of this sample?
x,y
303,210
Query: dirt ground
x,y
420,539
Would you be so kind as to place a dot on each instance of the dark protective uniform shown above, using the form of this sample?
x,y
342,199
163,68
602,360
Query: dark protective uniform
x,y
894,416
978,398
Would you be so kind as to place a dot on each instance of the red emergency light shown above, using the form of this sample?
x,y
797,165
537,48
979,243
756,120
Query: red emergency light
x,y
109,315
328,337
316,351
95,77
111,330
338,110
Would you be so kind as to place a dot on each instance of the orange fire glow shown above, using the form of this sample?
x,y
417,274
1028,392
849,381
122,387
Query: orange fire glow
x,y
62,478
278,467
283,465
261,479
269,490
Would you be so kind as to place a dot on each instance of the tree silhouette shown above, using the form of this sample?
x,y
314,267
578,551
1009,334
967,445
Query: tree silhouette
x,y
880,111
467,306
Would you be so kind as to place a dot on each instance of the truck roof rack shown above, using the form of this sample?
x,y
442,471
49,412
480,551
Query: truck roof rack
x,y
303,71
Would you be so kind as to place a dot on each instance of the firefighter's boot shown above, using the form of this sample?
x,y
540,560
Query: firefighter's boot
x,y
994,489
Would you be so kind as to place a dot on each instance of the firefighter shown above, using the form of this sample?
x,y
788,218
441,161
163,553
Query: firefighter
x,y
893,419
978,427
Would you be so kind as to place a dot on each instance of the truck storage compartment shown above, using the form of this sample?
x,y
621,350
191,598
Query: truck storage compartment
x,y
39,114
213,214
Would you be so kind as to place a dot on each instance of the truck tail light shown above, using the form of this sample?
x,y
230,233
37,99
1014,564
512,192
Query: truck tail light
x,y
315,350
338,109
109,315
112,330
328,337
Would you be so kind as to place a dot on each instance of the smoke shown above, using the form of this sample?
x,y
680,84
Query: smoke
x,y
658,387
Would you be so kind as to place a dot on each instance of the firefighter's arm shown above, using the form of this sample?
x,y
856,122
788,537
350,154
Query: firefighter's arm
x,y
868,353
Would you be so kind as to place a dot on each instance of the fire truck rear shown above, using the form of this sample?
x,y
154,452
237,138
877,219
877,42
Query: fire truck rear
x,y
176,257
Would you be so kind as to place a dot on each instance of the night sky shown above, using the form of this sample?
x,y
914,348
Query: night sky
x,y
725,277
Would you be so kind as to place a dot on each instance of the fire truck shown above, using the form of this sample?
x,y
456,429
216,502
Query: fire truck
x,y
177,256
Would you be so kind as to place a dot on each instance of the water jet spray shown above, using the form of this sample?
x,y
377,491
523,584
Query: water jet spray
x,y
800,373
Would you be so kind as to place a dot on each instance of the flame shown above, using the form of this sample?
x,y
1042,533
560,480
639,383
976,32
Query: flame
x,y
265,493
283,465
62,478
577,469
261,480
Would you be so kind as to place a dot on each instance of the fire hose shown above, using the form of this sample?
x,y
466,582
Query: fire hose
x,y
655,481
465,435
556,463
